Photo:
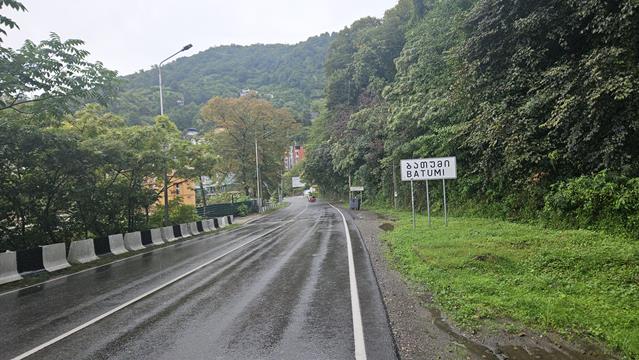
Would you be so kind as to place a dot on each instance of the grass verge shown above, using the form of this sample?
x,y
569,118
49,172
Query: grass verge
x,y
573,282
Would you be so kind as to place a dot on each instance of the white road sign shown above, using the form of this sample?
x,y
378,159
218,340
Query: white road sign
x,y
297,182
357,188
429,169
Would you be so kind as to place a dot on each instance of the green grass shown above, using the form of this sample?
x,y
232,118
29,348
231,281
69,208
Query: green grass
x,y
574,282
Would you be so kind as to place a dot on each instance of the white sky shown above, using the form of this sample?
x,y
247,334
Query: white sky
x,y
129,35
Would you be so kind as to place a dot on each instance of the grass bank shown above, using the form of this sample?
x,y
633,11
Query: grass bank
x,y
573,282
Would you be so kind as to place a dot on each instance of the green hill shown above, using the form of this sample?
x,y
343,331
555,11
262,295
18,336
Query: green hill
x,y
289,75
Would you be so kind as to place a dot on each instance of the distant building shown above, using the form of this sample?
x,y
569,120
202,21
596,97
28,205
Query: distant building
x,y
183,188
247,92
294,156
216,186
192,135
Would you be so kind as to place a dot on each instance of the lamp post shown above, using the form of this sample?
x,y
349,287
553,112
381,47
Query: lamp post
x,y
166,175
186,47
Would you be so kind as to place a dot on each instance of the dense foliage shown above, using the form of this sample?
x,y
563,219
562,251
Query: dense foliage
x,y
84,175
241,125
5,22
53,77
287,75
525,94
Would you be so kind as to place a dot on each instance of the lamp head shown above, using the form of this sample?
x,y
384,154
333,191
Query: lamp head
x,y
187,47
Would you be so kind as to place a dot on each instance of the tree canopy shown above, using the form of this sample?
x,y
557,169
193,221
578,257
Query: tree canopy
x,y
242,122
527,95
52,77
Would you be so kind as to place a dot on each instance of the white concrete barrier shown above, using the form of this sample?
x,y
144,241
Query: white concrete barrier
x,y
82,252
54,257
167,234
156,236
193,228
210,226
184,229
133,241
116,244
8,268
222,222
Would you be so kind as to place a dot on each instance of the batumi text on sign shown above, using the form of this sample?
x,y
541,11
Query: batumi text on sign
x,y
429,169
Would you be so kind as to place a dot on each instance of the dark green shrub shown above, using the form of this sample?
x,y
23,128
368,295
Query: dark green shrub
x,y
242,210
600,201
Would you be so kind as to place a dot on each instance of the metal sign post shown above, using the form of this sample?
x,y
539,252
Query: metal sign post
x,y
445,207
350,194
428,202
425,170
412,201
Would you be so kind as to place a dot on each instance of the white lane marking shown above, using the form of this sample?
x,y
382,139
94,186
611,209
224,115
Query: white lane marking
x,y
358,328
146,294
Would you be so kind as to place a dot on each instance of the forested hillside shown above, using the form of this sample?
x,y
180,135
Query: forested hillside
x,y
288,75
539,101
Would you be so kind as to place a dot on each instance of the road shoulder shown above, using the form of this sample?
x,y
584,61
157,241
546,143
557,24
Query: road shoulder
x,y
421,331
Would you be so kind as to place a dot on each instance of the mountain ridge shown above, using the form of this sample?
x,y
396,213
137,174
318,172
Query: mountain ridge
x,y
291,76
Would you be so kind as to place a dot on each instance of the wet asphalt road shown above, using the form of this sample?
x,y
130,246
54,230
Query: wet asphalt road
x,y
277,288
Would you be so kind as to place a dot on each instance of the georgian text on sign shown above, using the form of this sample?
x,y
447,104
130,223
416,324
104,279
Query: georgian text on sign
x,y
429,169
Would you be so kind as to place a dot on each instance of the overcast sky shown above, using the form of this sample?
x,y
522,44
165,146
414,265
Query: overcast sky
x,y
129,35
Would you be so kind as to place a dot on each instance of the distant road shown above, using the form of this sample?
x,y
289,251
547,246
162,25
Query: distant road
x,y
282,287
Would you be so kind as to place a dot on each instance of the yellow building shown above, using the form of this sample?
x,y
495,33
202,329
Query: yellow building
x,y
183,188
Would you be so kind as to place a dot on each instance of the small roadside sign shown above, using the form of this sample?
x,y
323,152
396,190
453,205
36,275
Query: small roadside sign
x,y
429,169
357,188
297,182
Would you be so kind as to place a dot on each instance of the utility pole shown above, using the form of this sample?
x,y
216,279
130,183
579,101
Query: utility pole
x,y
257,177
281,197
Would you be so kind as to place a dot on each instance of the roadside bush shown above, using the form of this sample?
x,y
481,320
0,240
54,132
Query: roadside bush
x,y
600,201
226,198
178,214
242,210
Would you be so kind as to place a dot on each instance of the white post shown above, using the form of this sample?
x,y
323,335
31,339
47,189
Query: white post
x,y
161,97
428,202
445,206
350,194
412,201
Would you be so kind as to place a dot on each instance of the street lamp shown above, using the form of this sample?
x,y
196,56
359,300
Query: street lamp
x,y
186,47
166,175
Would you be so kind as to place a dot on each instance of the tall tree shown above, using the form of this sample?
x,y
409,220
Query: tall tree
x,y
240,124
